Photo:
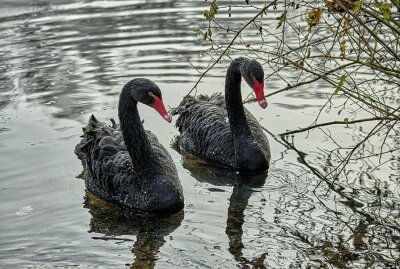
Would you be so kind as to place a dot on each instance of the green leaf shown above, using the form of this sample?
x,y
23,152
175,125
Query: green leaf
x,y
205,35
314,16
385,9
281,19
386,16
210,14
340,85
207,15
343,49
214,7
358,6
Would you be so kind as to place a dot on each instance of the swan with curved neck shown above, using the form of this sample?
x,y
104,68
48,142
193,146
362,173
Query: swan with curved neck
x,y
127,165
238,143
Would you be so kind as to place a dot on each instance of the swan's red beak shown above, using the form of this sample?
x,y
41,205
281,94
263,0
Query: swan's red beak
x,y
159,106
259,91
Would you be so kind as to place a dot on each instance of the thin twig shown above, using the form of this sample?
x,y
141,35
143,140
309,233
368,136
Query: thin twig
x,y
333,123
229,45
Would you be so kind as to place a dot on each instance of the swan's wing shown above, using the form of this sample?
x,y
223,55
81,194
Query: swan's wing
x,y
164,158
103,153
205,131
92,131
216,99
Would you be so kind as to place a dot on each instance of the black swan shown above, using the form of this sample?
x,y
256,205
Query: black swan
x,y
127,165
223,132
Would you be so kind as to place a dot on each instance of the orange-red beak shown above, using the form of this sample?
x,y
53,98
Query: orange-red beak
x,y
259,91
159,106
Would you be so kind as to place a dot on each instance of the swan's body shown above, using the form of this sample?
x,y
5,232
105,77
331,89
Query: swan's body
x,y
221,131
127,165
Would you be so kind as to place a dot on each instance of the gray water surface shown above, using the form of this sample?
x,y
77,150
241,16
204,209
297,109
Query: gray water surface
x,y
63,60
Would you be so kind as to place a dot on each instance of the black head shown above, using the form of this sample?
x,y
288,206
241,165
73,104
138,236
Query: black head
x,y
140,89
253,74
147,92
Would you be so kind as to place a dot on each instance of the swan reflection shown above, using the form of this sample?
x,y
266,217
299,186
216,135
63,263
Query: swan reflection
x,y
243,188
150,230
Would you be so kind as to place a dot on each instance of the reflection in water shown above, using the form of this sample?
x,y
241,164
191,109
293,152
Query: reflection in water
x,y
294,223
243,188
236,212
366,217
150,230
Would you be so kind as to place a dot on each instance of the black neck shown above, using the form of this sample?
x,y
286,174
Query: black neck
x,y
234,104
135,137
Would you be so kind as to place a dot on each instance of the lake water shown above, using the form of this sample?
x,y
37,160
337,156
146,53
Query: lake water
x,y
63,60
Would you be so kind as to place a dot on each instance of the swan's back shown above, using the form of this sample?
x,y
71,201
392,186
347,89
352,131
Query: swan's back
x,y
109,172
205,131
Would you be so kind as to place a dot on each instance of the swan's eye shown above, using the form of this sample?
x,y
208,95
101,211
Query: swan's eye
x,y
151,94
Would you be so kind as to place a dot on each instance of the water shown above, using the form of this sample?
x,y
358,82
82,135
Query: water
x,y
62,60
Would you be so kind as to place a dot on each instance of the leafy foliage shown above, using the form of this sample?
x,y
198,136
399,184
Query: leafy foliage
x,y
210,14
340,85
314,16
385,9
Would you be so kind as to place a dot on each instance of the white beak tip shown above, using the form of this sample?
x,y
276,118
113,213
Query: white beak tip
x,y
263,103
168,118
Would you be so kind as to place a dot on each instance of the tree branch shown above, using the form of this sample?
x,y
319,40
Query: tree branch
x,y
229,45
334,123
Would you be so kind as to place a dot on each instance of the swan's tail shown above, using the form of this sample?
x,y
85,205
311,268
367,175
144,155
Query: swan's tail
x,y
90,132
182,110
